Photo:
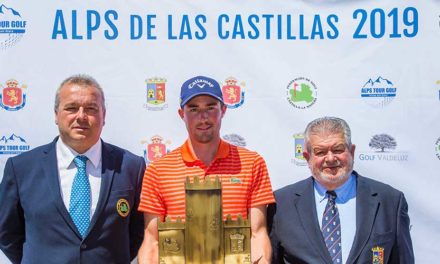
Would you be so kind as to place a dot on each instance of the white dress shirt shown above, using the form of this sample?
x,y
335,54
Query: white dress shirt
x,y
346,203
67,170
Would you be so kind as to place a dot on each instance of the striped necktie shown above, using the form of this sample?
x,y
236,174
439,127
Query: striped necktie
x,y
331,228
79,207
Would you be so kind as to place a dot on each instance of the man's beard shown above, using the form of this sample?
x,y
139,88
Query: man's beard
x,y
341,177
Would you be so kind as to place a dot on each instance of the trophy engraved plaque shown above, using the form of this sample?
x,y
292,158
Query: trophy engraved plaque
x,y
204,237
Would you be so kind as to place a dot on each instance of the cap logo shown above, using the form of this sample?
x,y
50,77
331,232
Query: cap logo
x,y
200,83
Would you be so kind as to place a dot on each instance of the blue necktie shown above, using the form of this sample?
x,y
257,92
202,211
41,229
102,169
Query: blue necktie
x,y
331,228
79,207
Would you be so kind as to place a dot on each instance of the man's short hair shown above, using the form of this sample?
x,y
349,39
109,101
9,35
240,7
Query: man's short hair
x,y
81,80
327,125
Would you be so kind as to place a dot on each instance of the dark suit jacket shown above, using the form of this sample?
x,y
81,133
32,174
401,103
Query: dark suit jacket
x,y
381,220
35,226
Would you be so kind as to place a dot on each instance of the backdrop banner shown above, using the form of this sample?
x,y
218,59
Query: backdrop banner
x,y
280,64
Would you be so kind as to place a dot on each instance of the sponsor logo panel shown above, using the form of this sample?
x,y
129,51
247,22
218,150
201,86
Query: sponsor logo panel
x,y
378,92
302,93
13,95
12,27
233,93
156,94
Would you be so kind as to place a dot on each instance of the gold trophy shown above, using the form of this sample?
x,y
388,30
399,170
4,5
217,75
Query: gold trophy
x,y
204,237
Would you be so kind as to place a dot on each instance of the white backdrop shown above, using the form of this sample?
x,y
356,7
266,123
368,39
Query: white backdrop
x,y
293,61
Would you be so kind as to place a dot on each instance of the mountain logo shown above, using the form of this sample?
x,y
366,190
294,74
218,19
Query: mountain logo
x,y
301,93
379,92
13,145
12,27
155,90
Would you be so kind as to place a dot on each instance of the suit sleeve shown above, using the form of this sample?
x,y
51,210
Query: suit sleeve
x,y
12,231
137,218
277,253
405,252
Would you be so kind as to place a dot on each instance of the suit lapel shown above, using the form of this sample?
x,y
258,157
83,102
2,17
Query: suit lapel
x,y
367,205
50,168
108,163
305,206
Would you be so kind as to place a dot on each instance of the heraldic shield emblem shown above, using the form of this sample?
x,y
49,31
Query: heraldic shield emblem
x,y
156,149
12,97
156,91
233,95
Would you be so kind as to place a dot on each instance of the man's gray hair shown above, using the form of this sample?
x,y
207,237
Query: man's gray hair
x,y
81,80
327,125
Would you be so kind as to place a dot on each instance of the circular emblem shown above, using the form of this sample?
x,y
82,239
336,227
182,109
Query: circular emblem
x,y
437,148
123,207
301,93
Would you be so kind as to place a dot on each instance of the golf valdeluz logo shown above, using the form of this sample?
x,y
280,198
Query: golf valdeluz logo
x,y
384,149
12,27
235,139
302,93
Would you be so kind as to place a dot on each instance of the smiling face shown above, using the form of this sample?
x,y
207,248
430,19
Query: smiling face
x,y
80,116
330,159
202,116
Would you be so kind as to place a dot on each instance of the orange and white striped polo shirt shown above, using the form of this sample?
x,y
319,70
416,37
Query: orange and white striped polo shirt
x,y
243,173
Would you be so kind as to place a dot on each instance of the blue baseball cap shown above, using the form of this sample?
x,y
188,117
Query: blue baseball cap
x,y
200,85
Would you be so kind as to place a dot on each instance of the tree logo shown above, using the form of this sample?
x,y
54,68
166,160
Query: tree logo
x,y
301,93
381,142
235,139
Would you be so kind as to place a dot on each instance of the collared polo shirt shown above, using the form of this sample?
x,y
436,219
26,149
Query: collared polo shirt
x,y
243,174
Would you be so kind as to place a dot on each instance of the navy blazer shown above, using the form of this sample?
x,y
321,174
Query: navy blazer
x,y
381,220
35,226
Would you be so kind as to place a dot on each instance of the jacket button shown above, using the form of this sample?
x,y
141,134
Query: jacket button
x,y
83,246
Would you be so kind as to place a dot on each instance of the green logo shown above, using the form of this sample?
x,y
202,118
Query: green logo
x,y
301,93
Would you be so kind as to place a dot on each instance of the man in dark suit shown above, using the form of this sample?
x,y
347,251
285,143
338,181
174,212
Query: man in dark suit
x,y
73,200
338,216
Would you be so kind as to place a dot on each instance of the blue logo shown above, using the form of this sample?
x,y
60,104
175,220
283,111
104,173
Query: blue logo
x,y
299,147
12,27
379,92
13,145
